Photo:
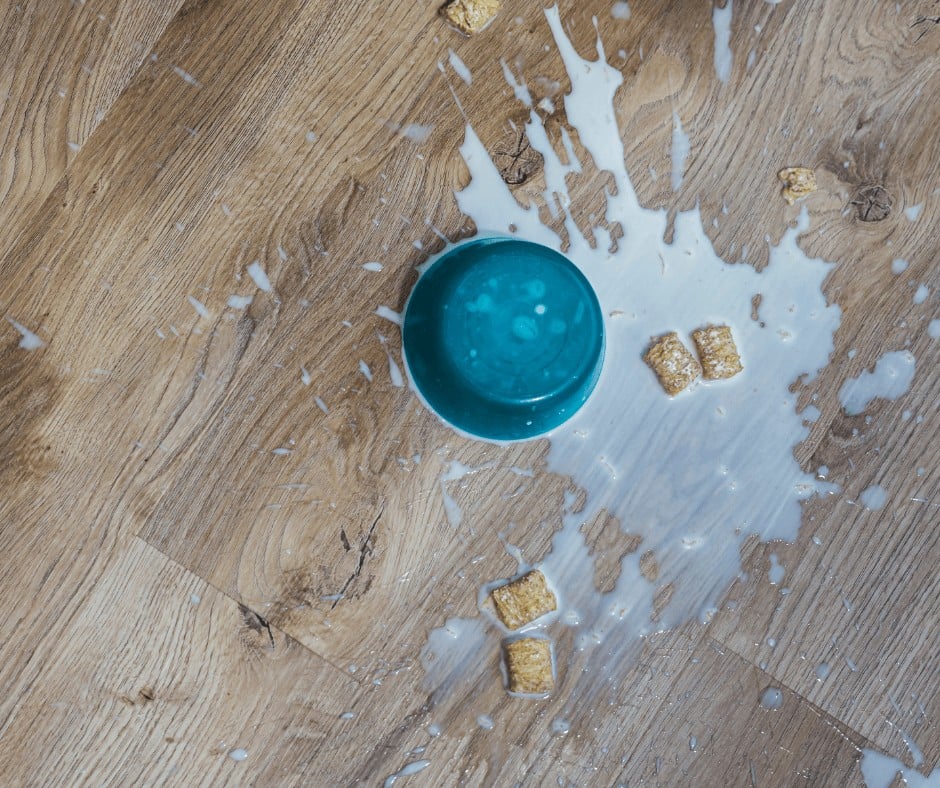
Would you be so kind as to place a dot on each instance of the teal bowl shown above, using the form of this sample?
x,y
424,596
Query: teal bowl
x,y
504,339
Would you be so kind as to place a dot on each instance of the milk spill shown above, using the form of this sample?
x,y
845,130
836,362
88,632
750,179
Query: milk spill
x,y
879,771
891,377
692,475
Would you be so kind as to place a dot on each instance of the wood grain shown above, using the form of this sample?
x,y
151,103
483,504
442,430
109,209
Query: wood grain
x,y
137,460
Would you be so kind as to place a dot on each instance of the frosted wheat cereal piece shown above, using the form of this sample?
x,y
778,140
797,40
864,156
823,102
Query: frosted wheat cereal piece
x,y
717,351
673,363
522,601
529,666
470,16
797,183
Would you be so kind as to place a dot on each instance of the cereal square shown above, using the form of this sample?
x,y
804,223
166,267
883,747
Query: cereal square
x,y
673,363
470,16
797,183
529,666
717,351
524,600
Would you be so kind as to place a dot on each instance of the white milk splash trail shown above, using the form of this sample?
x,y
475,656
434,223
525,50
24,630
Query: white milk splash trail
x,y
692,475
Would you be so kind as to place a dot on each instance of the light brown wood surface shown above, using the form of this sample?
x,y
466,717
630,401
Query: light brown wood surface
x,y
169,585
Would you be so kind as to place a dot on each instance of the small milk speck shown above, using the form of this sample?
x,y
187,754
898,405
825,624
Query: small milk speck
x,y
259,277
238,754
620,10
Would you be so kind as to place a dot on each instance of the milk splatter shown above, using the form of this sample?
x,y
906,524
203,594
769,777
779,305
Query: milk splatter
x,y
776,572
240,302
891,377
620,10
933,330
460,67
188,78
721,21
771,699
200,307
412,768
874,497
920,295
913,213
518,86
389,314
560,726
455,472
680,151
415,132
394,371
880,770
898,265
238,754
259,277
28,339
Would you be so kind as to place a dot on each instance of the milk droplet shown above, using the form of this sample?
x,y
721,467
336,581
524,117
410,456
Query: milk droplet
x,y
772,699
873,497
560,726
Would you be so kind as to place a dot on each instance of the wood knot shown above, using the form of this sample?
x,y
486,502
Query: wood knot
x,y
515,158
873,204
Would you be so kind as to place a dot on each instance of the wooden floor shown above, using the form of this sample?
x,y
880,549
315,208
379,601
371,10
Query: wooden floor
x,y
174,591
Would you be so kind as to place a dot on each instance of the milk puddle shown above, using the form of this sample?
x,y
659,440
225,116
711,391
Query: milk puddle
x,y
693,475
